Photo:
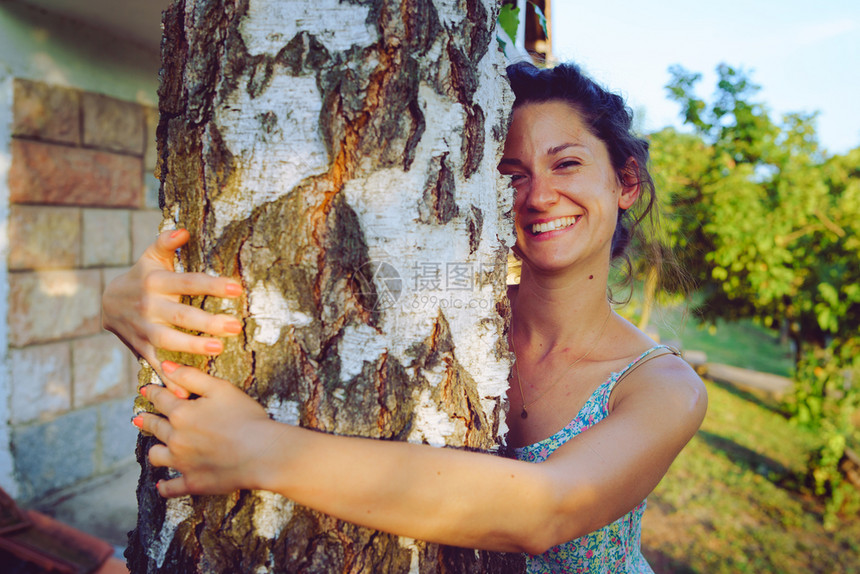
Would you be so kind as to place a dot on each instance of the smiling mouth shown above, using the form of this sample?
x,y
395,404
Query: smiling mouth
x,y
553,225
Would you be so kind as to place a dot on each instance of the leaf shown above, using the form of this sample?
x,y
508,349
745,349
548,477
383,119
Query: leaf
x,y
509,20
541,19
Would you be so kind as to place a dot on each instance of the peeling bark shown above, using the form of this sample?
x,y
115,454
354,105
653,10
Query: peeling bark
x,y
295,146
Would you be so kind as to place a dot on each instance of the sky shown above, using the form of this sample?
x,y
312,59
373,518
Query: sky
x,y
805,55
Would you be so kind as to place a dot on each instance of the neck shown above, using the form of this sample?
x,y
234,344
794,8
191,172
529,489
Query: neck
x,y
550,310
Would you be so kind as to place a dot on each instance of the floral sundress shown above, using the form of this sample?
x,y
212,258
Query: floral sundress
x,y
615,548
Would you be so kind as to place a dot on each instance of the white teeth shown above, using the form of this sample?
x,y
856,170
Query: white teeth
x,y
553,225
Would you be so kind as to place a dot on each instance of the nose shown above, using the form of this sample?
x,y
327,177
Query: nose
x,y
538,194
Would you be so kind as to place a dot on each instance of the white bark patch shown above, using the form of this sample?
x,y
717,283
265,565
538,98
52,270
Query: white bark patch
x,y
274,137
283,411
359,344
412,546
271,312
268,26
435,375
450,12
178,510
271,514
430,425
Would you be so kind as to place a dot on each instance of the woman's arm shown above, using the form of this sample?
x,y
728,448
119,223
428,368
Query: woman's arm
x,y
142,306
224,441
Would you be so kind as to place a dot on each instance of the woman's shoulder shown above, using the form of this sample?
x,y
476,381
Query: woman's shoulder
x,y
658,375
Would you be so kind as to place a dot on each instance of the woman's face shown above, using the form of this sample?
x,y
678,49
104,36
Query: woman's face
x,y
567,192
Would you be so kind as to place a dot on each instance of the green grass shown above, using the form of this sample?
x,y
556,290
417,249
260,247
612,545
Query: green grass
x,y
741,344
734,500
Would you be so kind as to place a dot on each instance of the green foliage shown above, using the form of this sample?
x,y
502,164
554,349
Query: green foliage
x,y
826,387
825,400
763,220
768,226
509,21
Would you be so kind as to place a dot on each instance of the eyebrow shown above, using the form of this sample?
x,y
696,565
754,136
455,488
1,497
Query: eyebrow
x,y
562,147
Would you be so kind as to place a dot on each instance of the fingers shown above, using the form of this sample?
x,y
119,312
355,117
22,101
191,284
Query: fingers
x,y
159,455
167,338
168,282
167,243
173,487
194,318
165,402
143,306
151,358
184,380
191,379
212,439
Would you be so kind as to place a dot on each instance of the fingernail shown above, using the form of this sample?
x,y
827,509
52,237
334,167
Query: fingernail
x,y
214,347
137,421
180,393
234,327
233,289
158,484
175,233
169,366
143,391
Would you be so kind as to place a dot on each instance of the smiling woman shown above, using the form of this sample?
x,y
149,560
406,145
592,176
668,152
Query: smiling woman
x,y
588,384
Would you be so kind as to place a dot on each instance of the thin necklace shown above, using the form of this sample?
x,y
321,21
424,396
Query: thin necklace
x,y
524,414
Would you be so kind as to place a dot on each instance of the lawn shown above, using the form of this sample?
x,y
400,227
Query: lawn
x,y
735,501
741,344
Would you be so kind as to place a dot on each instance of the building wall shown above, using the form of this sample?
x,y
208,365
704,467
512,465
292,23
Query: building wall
x,y
38,45
77,206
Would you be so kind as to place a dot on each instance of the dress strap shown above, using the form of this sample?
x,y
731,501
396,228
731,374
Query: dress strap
x,y
652,353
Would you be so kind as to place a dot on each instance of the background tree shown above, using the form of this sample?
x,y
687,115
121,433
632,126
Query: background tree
x,y
754,212
767,225
339,159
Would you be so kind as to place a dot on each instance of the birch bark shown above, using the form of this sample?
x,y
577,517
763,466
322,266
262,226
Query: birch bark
x,y
339,159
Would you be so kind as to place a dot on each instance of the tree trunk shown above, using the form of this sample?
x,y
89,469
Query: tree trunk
x,y
339,159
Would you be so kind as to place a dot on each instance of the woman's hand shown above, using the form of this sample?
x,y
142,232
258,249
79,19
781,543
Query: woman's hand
x,y
142,306
218,441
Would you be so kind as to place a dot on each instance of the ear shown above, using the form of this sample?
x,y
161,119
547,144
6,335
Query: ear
x,y
630,187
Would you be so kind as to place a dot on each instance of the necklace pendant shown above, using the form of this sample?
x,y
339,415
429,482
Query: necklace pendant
x,y
524,414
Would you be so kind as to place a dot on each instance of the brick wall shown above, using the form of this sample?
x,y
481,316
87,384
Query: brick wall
x,y
82,209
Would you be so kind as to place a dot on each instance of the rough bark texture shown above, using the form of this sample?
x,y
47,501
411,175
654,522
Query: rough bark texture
x,y
338,158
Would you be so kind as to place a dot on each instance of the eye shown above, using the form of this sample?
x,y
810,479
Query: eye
x,y
568,163
516,177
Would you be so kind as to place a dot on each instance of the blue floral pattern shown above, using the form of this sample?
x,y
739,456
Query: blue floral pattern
x,y
615,548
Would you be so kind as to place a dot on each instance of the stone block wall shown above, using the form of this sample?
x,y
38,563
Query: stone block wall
x,y
82,209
